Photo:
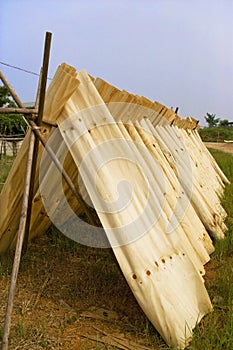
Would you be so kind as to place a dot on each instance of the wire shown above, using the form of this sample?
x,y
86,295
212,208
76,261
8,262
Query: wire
x,y
21,69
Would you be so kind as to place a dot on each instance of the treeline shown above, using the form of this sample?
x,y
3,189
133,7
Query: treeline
x,y
213,121
10,124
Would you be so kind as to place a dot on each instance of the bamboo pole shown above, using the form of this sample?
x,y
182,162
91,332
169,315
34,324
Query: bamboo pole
x,y
28,190
40,104
44,76
11,90
11,138
36,130
20,110
33,175
23,217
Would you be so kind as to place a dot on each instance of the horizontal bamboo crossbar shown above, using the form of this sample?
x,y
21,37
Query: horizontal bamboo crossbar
x,y
6,110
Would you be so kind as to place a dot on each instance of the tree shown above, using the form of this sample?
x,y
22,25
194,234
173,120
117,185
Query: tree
x,y
10,124
224,122
211,119
5,98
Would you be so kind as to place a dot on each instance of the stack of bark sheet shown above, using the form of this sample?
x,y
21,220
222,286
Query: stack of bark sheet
x,y
154,186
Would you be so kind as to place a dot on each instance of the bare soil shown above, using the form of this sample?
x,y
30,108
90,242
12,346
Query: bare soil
x,y
221,146
67,296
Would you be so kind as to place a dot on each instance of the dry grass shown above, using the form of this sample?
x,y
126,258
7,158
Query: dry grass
x,y
58,281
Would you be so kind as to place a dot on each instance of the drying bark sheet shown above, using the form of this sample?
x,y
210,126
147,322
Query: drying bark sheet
x,y
152,182
160,261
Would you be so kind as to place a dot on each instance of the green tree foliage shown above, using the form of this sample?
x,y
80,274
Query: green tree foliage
x,y
10,124
211,119
224,122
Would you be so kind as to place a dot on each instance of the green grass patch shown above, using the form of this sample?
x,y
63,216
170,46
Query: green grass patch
x,y
216,330
5,166
225,162
216,134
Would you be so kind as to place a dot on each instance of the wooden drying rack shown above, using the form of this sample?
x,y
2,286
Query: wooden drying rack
x,y
33,117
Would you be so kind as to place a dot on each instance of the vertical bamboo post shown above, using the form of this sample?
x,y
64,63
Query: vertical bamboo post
x,y
33,174
23,216
44,76
40,104
28,190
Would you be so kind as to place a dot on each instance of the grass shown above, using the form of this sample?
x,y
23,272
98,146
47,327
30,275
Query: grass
x,y
48,316
216,330
225,162
216,134
5,165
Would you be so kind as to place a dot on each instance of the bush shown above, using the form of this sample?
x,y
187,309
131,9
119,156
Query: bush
x,y
216,134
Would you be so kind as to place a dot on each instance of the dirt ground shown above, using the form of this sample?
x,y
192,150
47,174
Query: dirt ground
x,y
72,297
221,146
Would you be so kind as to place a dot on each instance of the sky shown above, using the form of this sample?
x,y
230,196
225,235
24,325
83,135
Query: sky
x,y
177,52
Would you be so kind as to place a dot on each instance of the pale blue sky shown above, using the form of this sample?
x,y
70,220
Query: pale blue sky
x,y
178,52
